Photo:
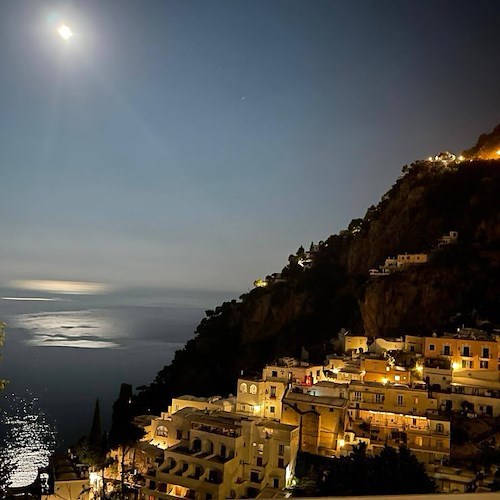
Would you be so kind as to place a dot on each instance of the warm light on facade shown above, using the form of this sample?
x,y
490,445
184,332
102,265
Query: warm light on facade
x,y
454,366
419,368
385,380
341,443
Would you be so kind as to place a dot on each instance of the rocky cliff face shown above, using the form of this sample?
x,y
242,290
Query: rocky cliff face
x,y
461,281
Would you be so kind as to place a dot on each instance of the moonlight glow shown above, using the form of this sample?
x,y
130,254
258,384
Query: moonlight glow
x,y
65,32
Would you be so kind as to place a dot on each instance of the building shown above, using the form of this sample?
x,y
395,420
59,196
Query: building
x,y
414,344
408,259
223,455
472,353
260,398
448,239
297,373
383,346
471,396
382,371
453,479
213,403
64,479
321,420
437,373
355,343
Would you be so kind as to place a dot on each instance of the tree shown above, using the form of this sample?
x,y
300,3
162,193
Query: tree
x,y
93,450
124,434
391,472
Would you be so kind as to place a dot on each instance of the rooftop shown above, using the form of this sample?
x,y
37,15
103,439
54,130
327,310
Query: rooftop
x,y
298,397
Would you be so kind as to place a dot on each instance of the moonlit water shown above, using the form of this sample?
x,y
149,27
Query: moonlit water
x,y
63,353
27,436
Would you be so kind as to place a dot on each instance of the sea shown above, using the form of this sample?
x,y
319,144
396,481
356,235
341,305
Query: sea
x,y
62,352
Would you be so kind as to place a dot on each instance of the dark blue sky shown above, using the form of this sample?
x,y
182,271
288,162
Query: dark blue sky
x,y
196,144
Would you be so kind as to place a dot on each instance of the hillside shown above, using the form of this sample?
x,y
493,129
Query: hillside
x,y
458,285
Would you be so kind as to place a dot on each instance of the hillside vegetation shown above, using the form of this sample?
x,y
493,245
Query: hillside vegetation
x,y
459,284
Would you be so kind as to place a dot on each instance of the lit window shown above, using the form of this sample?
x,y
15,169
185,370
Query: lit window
x,y
243,388
162,431
400,400
397,378
253,389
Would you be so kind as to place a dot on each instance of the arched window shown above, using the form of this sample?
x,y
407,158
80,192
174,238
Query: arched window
x,y
162,431
253,389
243,388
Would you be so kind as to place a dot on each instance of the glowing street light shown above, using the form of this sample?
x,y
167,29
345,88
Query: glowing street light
x,y
65,32
454,366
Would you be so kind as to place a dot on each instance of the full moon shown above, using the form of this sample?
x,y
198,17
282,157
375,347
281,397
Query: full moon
x,y
65,32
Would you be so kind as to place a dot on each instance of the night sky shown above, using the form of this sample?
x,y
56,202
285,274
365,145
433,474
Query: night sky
x,y
196,144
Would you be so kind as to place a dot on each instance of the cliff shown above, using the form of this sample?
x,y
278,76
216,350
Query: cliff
x,y
459,283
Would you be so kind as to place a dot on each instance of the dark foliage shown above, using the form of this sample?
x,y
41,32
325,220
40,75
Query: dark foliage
x,y
391,472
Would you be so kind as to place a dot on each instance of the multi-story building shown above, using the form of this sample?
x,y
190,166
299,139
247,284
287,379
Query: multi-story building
x,y
471,353
437,373
411,259
414,344
395,415
321,420
381,370
293,371
471,396
355,343
224,455
261,398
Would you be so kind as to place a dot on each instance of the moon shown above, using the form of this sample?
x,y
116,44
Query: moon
x,y
65,32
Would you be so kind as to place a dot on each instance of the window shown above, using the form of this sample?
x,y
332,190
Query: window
x,y
281,449
483,364
400,400
272,409
317,373
274,373
431,347
281,463
412,348
273,392
162,431
467,364
418,441
486,352
253,389
439,427
276,483
179,434
379,398
415,401
446,350
243,388
357,396
259,461
254,476
466,351
414,421
260,447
